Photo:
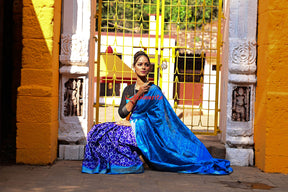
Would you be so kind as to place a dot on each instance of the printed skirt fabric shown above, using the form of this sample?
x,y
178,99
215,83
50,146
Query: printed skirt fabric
x,y
111,149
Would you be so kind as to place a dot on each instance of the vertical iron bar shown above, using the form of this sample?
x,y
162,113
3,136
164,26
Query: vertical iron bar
x,y
162,44
156,43
219,42
98,60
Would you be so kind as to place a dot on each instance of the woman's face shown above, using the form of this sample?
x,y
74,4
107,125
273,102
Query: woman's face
x,y
142,66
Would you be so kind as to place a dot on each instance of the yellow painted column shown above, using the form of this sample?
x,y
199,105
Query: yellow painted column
x,y
37,100
271,111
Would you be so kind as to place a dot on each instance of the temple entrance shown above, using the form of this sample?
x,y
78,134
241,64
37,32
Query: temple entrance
x,y
183,41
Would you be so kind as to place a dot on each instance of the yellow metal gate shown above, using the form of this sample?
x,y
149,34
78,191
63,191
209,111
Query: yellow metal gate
x,y
182,39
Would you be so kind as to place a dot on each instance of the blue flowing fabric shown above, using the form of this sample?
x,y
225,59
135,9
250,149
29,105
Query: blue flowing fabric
x,y
163,139
167,143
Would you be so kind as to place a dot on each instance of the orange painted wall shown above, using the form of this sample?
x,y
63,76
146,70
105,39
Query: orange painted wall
x,y
271,106
37,99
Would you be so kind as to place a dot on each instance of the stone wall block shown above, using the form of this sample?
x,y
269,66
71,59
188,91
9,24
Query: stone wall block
x,y
240,157
44,77
276,131
242,78
45,60
38,24
276,20
240,130
32,135
37,91
239,141
71,152
275,164
72,132
36,156
37,109
274,54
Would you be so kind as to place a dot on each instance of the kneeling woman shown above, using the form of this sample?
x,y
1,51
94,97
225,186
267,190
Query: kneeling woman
x,y
156,133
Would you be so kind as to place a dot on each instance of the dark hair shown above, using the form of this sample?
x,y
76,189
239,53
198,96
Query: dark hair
x,y
138,55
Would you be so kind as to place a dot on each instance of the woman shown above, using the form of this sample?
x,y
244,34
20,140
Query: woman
x,y
156,133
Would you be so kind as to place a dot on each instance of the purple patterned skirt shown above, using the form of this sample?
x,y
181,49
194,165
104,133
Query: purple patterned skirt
x,y
111,149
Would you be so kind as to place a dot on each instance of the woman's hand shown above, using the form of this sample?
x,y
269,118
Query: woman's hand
x,y
144,88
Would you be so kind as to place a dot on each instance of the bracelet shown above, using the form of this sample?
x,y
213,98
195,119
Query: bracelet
x,y
132,102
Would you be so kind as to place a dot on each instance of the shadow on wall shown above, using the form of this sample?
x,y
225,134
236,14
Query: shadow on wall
x,y
10,73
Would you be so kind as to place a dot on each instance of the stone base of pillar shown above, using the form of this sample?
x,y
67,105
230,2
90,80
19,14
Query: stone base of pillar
x,y
240,157
71,152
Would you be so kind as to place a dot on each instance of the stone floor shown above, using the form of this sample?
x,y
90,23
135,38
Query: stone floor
x,y
66,176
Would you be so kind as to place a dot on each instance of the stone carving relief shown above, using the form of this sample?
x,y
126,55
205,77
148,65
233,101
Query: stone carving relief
x,y
66,42
244,53
241,103
74,49
73,97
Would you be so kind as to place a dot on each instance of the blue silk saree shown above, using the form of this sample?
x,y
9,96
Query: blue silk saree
x,y
156,133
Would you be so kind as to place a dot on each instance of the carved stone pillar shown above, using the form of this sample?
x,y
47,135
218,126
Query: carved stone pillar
x,y
238,81
76,77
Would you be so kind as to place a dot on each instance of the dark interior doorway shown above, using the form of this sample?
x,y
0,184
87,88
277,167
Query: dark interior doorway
x,y
10,71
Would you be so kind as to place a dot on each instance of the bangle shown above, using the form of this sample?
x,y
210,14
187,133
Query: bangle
x,y
132,102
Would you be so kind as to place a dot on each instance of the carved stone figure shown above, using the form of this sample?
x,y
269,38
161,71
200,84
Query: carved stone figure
x,y
73,97
240,104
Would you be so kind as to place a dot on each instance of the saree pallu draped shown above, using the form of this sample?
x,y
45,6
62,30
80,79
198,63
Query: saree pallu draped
x,y
167,143
163,139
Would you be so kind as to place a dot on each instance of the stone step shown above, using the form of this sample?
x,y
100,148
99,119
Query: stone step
x,y
212,143
214,146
